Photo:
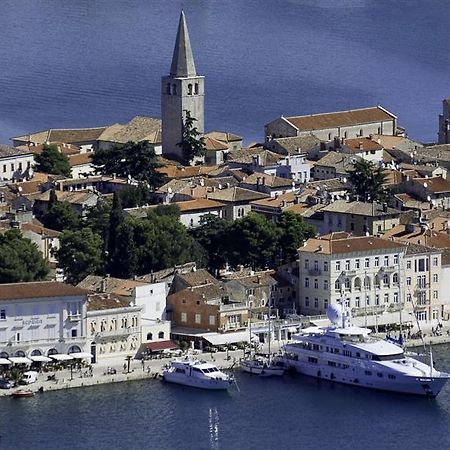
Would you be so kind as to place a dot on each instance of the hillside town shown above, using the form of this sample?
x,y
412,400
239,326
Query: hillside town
x,y
130,240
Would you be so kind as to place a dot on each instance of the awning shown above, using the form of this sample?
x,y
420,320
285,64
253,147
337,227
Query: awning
x,y
61,357
158,346
20,360
5,361
40,358
292,329
80,355
229,338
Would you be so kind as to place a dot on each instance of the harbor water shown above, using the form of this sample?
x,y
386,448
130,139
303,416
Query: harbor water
x,y
89,63
290,412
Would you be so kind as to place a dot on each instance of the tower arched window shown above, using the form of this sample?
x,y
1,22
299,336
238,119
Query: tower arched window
x,y
174,89
189,89
196,88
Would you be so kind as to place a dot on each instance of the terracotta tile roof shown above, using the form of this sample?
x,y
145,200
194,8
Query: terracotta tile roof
x,y
360,208
236,194
6,151
435,185
332,184
138,129
199,277
395,142
280,201
297,144
205,293
336,243
66,135
250,155
173,171
340,118
40,289
100,302
66,149
198,204
393,177
256,279
80,159
38,229
214,145
116,286
26,187
298,208
267,180
428,237
223,136
362,144
340,161
75,197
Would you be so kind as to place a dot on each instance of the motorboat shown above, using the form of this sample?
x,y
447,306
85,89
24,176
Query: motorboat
x,y
348,354
22,393
196,373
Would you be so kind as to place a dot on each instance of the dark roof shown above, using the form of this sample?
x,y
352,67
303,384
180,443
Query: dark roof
x,y
162,345
40,289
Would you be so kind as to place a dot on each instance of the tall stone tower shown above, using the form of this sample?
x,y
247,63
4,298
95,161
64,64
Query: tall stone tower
x,y
182,90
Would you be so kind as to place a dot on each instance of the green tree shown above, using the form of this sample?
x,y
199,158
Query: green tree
x,y
135,159
97,217
252,241
125,252
20,259
167,210
51,160
61,216
292,233
132,196
116,220
367,182
192,143
211,235
80,254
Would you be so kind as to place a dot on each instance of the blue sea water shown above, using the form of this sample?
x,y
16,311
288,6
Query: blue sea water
x,y
292,412
68,63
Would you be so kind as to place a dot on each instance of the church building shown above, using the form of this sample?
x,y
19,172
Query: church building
x,y
181,91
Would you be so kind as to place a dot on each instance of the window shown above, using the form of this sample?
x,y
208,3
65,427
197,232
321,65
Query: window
x,y
2,314
347,284
421,315
325,266
408,281
325,285
212,320
408,264
386,298
357,263
435,295
347,264
12,167
198,318
183,317
189,89
357,302
435,261
391,377
316,283
408,297
377,300
306,301
17,337
435,278
396,259
316,265
325,303
386,260
306,264
337,285
174,89
306,282
20,166
377,261
347,303
395,297
386,279
149,336
367,300
395,278
196,88
338,265
161,335
311,359
316,303
74,333
4,168
366,263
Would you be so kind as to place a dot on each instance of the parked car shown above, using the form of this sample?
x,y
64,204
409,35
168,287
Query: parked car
x,y
30,377
5,384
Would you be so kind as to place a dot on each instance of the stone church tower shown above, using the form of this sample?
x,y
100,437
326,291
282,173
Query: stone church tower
x,y
182,90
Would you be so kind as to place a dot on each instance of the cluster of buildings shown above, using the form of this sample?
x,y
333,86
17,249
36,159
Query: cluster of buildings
x,y
380,259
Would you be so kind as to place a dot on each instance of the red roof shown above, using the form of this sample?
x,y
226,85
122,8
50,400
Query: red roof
x,y
163,345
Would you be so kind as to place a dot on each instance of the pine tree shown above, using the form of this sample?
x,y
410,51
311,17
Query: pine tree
x,y
192,143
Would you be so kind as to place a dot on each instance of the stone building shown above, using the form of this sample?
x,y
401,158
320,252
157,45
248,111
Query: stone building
x,y
182,90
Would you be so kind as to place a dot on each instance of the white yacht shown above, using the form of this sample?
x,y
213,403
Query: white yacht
x,y
264,368
196,373
348,354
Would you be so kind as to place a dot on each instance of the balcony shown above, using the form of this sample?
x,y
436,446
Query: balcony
x,y
74,317
388,269
314,272
116,333
422,287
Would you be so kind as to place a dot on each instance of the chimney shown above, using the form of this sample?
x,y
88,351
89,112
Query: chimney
x,y
103,285
259,279
360,145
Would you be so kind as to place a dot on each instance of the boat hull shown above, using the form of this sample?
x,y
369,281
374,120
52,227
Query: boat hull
x,y
259,368
219,384
354,376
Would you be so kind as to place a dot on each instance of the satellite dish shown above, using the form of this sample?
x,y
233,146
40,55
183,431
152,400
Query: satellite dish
x,y
334,314
428,198
169,190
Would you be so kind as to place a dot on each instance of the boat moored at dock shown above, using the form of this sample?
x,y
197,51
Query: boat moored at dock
x,y
196,373
347,354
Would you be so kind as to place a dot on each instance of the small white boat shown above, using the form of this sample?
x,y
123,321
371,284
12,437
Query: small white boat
x,y
196,373
264,368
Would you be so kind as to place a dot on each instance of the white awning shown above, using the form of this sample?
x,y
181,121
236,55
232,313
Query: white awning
x,y
5,361
61,357
40,358
292,329
20,360
80,355
228,338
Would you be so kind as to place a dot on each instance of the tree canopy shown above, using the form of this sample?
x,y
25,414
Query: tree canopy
x,y
61,216
80,254
20,259
367,182
51,160
134,159
192,143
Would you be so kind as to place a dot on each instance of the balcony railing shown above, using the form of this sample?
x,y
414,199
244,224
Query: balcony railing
x,y
74,317
388,269
119,332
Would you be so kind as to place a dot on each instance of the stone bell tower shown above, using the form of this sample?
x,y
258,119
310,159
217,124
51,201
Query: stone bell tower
x,y
182,90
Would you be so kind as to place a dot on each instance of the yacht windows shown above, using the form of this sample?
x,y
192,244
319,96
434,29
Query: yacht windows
x,y
332,363
345,366
358,355
392,377
368,372
379,374
347,353
388,357
335,350
311,359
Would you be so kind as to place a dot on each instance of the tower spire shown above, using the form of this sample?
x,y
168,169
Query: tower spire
x,y
182,60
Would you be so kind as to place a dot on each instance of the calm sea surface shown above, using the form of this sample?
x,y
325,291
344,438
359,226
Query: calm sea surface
x,y
67,63
290,413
